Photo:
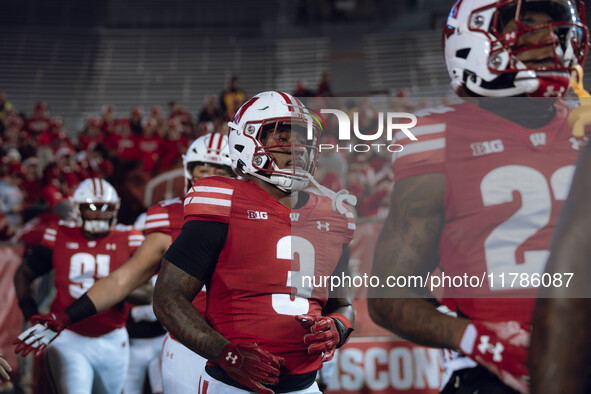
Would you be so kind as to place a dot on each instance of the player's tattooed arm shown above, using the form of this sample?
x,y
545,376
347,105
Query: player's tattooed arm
x,y
173,293
560,356
343,306
408,245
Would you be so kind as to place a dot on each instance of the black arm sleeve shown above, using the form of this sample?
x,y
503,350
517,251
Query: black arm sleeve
x,y
40,260
80,309
343,264
197,248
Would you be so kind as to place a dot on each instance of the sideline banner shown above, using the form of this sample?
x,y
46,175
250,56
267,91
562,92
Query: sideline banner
x,y
383,365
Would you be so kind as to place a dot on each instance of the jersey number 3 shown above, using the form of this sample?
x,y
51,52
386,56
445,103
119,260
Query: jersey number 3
x,y
84,268
289,248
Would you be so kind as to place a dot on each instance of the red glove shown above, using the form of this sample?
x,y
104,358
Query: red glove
x,y
324,335
250,365
501,348
44,329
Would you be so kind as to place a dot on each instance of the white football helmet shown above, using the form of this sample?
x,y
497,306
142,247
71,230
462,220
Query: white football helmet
x,y
482,58
208,149
252,125
95,206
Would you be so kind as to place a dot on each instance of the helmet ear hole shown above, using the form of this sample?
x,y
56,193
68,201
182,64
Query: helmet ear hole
x,y
239,148
463,53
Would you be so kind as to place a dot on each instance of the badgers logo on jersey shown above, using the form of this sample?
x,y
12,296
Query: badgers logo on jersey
x,y
538,139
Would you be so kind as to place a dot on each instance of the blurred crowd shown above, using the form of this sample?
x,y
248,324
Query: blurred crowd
x,y
42,160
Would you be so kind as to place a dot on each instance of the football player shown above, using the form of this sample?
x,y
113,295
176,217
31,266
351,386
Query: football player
x,y
90,356
560,344
252,242
207,156
479,193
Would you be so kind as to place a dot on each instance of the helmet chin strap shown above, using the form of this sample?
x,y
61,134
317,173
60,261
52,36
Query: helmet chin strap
x,y
301,179
338,199
287,183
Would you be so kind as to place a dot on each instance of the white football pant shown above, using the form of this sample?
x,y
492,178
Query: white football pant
x,y
142,352
181,367
85,365
210,385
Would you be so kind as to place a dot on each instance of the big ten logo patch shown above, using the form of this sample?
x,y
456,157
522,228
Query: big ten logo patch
x,y
257,215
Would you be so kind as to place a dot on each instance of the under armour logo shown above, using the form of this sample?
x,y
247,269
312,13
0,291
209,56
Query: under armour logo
x,y
550,92
321,226
578,143
229,357
169,355
496,350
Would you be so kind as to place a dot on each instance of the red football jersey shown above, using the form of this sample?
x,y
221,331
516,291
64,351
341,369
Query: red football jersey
x,y
256,288
167,217
505,186
79,262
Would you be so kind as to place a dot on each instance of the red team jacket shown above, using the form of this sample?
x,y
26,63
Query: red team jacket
x,y
79,262
256,289
167,217
505,186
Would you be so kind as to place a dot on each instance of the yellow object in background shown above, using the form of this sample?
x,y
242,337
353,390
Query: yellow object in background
x,y
580,117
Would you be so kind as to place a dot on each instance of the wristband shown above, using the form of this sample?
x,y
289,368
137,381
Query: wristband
x,y
80,309
343,326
